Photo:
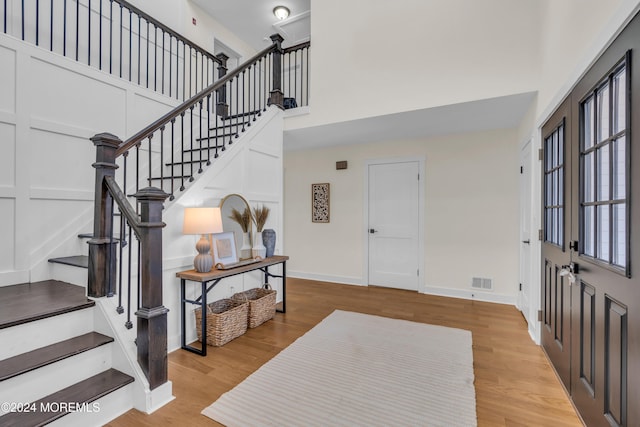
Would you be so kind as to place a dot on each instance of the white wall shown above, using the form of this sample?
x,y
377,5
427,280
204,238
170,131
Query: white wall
x,y
372,59
178,14
52,107
573,34
471,211
375,58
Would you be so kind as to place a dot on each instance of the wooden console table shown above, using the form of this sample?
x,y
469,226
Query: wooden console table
x,y
212,278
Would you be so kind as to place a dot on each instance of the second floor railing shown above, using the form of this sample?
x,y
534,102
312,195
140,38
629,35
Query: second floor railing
x,y
170,152
116,37
295,75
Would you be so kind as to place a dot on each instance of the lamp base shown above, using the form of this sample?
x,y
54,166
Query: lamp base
x,y
203,261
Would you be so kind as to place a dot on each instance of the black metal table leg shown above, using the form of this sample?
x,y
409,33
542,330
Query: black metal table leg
x,y
202,301
203,305
284,287
183,314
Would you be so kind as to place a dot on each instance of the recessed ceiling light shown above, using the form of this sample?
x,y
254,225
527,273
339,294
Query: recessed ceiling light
x,y
281,12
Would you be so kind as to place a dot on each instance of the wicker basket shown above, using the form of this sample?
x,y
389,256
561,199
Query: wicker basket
x,y
226,320
262,304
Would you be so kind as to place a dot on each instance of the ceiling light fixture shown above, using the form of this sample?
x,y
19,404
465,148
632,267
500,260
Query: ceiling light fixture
x,y
281,12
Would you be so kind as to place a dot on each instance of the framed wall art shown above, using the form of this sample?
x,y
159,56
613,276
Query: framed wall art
x,y
224,248
320,202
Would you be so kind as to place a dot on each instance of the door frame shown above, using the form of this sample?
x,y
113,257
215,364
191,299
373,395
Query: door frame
x,y
527,188
535,288
421,208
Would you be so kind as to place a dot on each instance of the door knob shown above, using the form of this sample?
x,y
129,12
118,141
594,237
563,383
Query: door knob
x,y
371,231
526,241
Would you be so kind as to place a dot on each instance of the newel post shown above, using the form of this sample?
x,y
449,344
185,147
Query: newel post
x,y
276,95
102,265
152,315
222,108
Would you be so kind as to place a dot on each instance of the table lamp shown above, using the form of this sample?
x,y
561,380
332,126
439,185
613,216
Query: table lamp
x,y
203,221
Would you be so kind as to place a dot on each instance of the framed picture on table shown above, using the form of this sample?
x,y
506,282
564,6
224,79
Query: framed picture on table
x,y
224,248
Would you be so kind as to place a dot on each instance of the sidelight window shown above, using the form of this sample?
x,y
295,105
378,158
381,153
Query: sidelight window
x,y
554,186
604,170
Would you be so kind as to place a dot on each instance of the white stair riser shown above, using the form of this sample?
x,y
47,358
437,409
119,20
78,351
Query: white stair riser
x,y
44,381
70,274
101,411
40,333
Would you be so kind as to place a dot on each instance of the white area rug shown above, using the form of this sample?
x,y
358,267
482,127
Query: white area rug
x,y
359,370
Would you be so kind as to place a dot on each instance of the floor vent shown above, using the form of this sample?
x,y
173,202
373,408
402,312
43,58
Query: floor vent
x,y
482,283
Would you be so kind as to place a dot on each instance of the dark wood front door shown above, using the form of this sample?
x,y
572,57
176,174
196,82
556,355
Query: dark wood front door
x,y
556,254
602,220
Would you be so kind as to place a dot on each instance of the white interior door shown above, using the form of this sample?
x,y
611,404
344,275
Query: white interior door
x,y
393,224
525,232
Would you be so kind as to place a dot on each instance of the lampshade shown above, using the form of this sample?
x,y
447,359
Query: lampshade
x,y
281,12
202,221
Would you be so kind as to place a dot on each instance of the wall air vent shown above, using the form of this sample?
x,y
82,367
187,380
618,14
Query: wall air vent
x,y
482,283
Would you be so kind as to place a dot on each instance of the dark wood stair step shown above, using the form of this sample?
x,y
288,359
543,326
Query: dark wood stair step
x,y
213,147
81,261
44,356
228,126
187,162
212,135
245,114
84,392
28,302
186,177
90,236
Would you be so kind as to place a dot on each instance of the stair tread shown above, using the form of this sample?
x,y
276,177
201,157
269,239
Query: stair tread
x,y
44,356
188,162
214,136
76,261
245,114
188,150
90,236
229,125
27,302
83,392
171,177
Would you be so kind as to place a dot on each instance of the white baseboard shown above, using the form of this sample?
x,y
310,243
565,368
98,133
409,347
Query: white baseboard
x,y
471,295
344,280
429,290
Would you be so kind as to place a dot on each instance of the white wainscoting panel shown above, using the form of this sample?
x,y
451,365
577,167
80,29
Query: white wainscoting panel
x,y
7,227
8,157
62,161
8,80
49,108
76,99
48,216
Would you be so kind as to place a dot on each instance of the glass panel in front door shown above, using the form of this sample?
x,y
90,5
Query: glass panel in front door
x,y
603,176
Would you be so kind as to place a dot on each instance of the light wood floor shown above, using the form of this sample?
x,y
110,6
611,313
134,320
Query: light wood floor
x,y
515,386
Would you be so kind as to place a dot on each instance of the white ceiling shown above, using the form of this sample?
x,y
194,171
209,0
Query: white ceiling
x,y
504,112
253,20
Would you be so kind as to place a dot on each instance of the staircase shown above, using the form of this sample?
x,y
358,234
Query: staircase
x,y
66,359
193,161
54,365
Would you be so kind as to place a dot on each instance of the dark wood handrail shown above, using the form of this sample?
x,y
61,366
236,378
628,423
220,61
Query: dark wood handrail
x,y
125,207
166,29
162,121
297,47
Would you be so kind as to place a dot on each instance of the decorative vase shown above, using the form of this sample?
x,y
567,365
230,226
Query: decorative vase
x,y
269,240
258,250
203,261
245,250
